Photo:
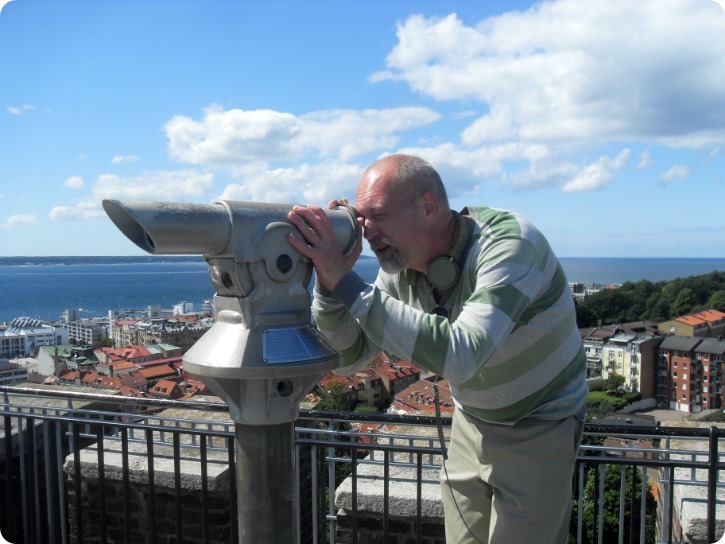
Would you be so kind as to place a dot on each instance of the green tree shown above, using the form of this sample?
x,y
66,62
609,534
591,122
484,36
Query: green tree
x,y
365,408
614,381
612,497
104,343
585,317
334,399
717,301
660,301
684,302
610,305
658,309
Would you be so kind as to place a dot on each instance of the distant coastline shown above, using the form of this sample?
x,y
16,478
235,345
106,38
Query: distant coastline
x,y
611,270
45,287
83,260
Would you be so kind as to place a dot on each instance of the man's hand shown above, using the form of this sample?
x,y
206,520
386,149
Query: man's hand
x,y
321,248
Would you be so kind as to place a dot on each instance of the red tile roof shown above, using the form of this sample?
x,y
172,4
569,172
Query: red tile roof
x,y
157,371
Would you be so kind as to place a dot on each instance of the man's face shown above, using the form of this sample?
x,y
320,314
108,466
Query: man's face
x,y
387,225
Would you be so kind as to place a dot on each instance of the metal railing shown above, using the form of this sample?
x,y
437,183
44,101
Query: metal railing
x,y
89,467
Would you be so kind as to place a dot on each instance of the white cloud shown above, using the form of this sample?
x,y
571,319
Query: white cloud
x,y
19,110
20,220
308,183
86,209
236,137
176,185
598,174
552,81
567,69
120,159
675,173
645,160
163,185
75,182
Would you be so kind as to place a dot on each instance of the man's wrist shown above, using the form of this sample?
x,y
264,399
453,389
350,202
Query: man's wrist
x,y
349,288
321,289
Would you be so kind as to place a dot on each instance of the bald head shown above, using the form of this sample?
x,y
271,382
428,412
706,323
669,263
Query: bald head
x,y
408,177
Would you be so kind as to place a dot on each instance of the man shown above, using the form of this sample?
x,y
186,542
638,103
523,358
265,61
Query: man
x,y
479,298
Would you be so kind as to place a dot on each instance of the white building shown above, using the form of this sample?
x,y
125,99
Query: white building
x,y
88,331
11,372
634,357
183,308
25,336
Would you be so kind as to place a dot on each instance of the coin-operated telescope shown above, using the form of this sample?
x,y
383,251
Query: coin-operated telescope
x,y
262,355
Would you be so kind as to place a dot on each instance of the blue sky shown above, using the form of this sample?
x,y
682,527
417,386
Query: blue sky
x,y
603,122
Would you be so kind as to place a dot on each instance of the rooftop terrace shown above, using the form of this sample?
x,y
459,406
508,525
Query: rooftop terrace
x,y
90,467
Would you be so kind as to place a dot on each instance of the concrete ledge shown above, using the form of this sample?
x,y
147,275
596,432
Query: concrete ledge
x,y
403,491
217,468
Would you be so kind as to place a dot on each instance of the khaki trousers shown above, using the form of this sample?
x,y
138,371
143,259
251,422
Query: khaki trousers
x,y
509,484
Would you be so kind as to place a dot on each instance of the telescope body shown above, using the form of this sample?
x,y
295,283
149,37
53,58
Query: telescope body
x,y
262,355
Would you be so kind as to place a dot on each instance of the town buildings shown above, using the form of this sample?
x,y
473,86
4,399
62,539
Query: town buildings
x,y
627,350
11,372
676,364
679,370
704,324
580,291
26,335
180,330
377,385
431,394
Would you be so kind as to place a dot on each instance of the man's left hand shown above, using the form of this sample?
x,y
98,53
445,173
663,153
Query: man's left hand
x,y
321,247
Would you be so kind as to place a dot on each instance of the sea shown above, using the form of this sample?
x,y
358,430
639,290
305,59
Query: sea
x,y
45,287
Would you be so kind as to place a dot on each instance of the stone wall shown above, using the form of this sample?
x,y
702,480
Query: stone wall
x,y
403,499
148,514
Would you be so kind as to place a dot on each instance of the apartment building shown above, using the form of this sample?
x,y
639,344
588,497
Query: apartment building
x,y
709,355
628,350
690,373
594,340
87,331
633,356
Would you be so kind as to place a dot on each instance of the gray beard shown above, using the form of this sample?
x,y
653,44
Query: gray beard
x,y
393,263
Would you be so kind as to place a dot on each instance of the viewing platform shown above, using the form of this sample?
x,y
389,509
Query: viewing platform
x,y
90,467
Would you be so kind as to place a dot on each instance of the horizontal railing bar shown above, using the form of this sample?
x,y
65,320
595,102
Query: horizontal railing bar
x,y
343,417
119,399
641,462
132,425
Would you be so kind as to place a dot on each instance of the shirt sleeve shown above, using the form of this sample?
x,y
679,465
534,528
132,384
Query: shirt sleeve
x,y
511,304
497,288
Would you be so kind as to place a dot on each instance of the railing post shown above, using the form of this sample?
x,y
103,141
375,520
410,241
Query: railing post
x,y
712,479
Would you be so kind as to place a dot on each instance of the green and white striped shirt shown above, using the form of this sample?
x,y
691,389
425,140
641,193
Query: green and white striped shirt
x,y
510,349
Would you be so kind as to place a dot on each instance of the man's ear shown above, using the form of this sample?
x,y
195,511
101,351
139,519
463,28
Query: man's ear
x,y
430,204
